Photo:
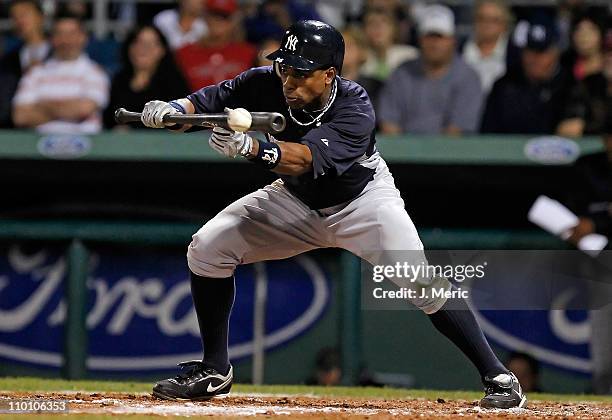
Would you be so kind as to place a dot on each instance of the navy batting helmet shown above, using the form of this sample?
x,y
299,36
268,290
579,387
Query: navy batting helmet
x,y
310,45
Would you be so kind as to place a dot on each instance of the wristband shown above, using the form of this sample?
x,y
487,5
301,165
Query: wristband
x,y
180,108
176,105
268,155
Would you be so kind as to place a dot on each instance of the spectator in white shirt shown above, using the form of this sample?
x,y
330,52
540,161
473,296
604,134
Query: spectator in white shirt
x,y
68,91
184,25
486,50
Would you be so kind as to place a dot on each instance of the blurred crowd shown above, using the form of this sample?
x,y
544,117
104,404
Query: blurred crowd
x,y
428,68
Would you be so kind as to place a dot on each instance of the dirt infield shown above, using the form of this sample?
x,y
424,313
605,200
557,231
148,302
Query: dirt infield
x,y
308,407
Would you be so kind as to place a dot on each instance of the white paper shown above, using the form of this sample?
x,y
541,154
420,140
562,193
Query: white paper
x,y
592,244
552,216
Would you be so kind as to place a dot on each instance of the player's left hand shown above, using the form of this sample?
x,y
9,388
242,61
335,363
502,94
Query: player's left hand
x,y
230,143
154,111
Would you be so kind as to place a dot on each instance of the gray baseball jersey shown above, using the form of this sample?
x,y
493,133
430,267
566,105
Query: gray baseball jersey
x,y
349,199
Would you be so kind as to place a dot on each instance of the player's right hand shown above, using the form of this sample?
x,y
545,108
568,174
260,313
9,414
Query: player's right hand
x,y
230,143
154,111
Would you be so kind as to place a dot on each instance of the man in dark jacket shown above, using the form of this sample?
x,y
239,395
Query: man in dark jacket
x,y
530,99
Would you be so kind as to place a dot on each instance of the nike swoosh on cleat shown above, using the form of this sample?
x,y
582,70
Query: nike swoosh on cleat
x,y
211,388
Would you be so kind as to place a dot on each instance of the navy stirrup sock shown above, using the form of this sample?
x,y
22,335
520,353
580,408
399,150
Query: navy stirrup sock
x,y
213,299
460,326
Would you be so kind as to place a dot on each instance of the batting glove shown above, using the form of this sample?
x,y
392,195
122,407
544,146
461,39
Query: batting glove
x,y
230,143
154,111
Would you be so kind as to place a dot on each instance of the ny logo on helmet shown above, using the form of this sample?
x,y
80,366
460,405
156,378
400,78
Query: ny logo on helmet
x,y
291,42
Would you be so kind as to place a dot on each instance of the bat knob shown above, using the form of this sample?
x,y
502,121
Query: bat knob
x,y
278,123
118,113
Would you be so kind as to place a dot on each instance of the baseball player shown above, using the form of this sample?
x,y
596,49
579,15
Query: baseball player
x,y
334,190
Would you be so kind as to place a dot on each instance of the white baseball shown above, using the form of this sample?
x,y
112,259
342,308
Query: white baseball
x,y
239,119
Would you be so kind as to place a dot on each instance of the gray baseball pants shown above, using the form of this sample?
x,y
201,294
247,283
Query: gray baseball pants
x,y
271,224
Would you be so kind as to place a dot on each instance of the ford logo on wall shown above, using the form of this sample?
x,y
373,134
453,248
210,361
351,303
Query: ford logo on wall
x,y
140,317
64,146
552,150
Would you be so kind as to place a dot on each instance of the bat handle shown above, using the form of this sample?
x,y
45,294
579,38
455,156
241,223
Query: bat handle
x,y
123,116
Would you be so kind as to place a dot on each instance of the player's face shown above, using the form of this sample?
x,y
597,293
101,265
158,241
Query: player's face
x,y
302,88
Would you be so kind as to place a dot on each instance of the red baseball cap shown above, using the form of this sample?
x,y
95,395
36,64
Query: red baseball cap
x,y
222,7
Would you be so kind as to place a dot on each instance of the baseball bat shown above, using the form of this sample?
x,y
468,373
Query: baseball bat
x,y
267,122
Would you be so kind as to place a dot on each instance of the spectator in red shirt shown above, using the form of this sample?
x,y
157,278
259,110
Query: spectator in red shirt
x,y
219,55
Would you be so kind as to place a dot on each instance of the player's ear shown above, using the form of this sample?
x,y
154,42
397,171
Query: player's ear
x,y
330,75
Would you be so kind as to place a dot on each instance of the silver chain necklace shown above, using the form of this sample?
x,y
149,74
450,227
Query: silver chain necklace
x,y
317,119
